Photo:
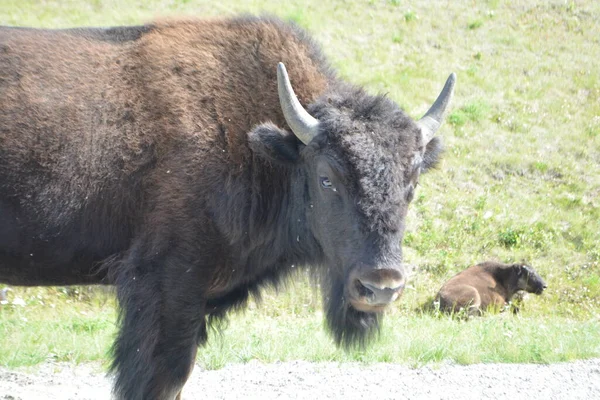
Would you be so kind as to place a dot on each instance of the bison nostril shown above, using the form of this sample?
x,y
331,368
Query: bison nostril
x,y
373,294
362,290
374,289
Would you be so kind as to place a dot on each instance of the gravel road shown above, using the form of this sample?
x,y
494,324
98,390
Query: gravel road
x,y
304,380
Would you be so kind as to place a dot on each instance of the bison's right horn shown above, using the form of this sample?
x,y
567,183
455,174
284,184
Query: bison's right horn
x,y
304,126
433,118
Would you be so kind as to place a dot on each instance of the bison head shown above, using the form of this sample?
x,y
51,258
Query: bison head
x,y
529,280
357,159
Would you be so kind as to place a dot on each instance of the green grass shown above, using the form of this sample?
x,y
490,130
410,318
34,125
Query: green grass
x,y
55,325
520,180
415,340
289,326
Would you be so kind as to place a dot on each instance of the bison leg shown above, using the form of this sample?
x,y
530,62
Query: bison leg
x,y
474,311
173,365
162,323
461,297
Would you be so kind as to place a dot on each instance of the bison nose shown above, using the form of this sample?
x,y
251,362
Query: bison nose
x,y
372,291
540,289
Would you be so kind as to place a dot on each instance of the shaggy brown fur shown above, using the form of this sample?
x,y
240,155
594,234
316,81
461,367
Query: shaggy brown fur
x,y
110,110
487,285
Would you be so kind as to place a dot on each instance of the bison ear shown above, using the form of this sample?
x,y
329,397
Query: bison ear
x,y
274,144
518,269
432,153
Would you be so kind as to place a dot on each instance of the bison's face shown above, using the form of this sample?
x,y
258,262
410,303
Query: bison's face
x,y
529,279
360,158
362,255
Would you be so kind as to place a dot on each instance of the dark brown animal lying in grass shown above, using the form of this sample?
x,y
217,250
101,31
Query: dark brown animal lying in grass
x,y
488,285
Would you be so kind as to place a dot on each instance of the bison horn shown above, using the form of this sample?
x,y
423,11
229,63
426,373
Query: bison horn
x,y
304,126
434,117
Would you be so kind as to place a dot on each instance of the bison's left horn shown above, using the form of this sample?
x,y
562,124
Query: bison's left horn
x,y
304,125
433,118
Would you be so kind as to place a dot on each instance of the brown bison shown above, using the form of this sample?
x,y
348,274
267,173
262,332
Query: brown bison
x,y
180,163
487,285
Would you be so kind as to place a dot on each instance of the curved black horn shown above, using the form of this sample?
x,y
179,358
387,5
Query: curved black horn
x,y
304,126
434,117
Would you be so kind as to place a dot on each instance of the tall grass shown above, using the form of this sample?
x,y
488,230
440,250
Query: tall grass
x,y
520,180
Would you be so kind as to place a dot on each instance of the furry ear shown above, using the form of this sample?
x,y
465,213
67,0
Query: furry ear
x,y
274,144
519,269
432,153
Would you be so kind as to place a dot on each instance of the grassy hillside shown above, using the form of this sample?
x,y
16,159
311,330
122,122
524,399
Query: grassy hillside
x,y
520,179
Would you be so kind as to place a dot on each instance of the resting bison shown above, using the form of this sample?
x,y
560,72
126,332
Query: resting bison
x,y
174,161
489,284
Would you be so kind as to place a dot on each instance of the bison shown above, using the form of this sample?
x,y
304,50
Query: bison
x,y
179,162
487,285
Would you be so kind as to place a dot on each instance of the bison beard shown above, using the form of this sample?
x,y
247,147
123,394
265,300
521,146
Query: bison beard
x,y
348,326
181,163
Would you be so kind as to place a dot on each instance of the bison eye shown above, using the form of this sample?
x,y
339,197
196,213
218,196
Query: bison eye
x,y
326,183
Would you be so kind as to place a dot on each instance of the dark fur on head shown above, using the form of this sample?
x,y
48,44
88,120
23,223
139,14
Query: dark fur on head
x,y
350,117
528,279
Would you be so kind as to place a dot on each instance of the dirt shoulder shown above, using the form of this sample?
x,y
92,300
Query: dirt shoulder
x,y
304,380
